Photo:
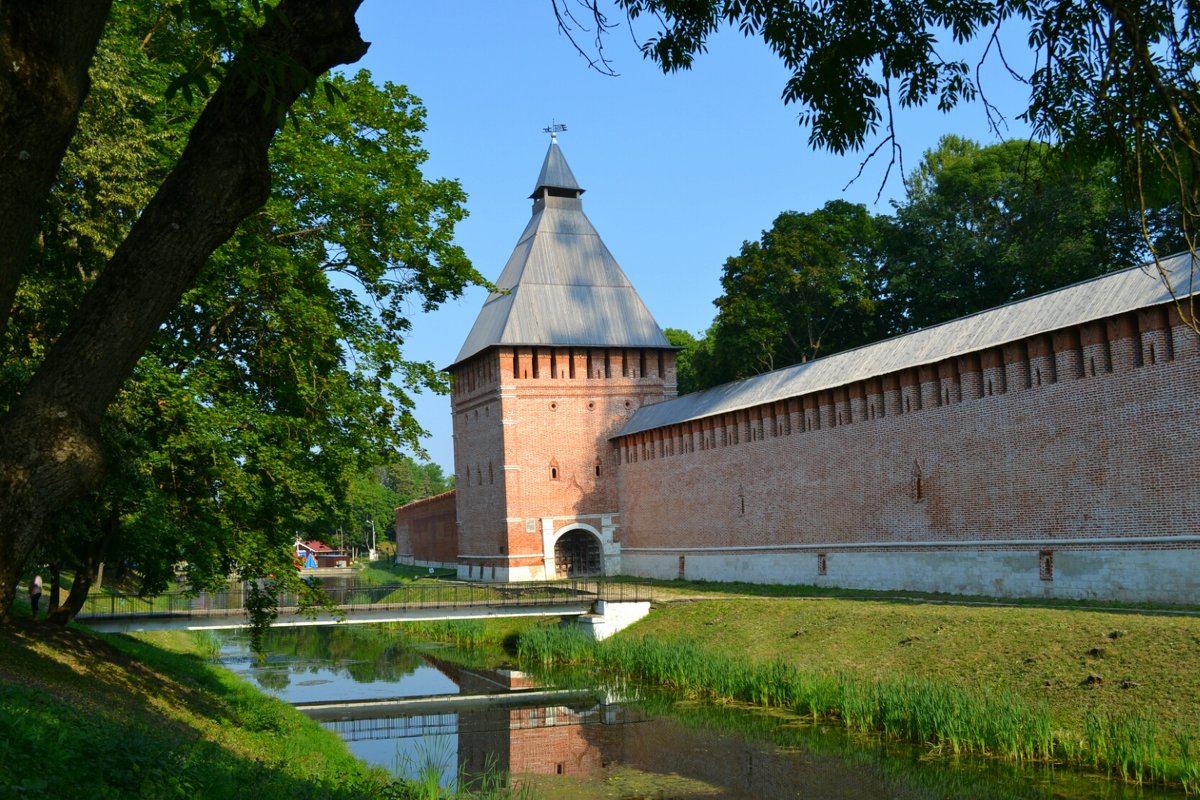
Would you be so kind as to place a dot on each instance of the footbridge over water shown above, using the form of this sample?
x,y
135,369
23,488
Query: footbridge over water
x,y
601,606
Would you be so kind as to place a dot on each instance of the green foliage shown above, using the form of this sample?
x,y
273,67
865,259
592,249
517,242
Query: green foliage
x,y
692,361
279,383
373,496
1108,81
849,62
809,287
979,227
435,759
106,735
983,226
938,714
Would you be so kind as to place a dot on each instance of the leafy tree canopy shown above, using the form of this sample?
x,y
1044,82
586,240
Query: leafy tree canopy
x,y
278,381
1112,81
809,287
979,227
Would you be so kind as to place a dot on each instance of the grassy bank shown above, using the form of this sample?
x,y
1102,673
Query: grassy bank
x,y
1117,691
82,716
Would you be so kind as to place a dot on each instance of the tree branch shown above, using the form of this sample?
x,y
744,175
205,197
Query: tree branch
x,y
49,441
45,49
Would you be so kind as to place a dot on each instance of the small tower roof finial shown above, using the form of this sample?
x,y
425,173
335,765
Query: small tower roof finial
x,y
554,129
556,175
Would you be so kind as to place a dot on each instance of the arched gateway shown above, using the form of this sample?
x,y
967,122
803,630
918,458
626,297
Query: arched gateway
x,y
577,554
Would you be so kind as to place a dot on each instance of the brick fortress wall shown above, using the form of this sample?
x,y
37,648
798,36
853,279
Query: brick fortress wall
x,y
532,457
426,534
1059,465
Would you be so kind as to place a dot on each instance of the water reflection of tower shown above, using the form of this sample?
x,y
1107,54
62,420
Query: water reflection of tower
x,y
568,739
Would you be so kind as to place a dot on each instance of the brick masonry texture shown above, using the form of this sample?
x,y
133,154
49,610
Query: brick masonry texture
x,y
952,477
428,527
532,428
1057,465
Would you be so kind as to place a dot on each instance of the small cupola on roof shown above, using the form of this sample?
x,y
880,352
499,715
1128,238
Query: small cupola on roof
x,y
556,178
561,286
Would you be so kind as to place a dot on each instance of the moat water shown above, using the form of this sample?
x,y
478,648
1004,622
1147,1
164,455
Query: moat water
x,y
608,741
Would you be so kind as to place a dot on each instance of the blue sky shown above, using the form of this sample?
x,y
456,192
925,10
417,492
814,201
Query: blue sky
x,y
679,169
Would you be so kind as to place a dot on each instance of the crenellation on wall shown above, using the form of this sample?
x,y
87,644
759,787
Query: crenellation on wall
x,y
873,397
1097,356
1124,345
855,403
1038,360
1185,339
669,373
614,364
825,410
992,373
970,377
930,386
936,476
1016,366
1040,350
838,403
809,416
893,399
506,365
1068,354
1155,333
910,391
949,381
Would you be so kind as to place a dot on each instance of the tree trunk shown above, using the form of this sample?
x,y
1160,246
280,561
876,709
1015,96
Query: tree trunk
x,y
55,586
45,49
49,441
87,573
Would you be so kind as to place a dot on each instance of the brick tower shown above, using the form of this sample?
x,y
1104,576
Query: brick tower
x,y
556,362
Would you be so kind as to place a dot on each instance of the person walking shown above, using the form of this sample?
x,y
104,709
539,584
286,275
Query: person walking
x,y
35,594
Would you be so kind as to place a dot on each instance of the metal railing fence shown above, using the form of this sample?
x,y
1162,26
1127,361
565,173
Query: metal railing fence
x,y
391,597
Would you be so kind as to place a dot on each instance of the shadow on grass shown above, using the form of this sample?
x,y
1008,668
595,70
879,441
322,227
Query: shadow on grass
x,y
84,717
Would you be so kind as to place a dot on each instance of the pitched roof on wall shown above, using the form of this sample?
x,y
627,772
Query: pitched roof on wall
x,y
1105,296
563,286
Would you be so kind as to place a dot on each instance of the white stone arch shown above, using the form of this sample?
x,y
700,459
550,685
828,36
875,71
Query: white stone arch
x,y
573,526
578,550
603,527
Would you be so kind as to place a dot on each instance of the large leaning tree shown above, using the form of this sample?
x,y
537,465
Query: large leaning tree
x,y
1110,79
50,445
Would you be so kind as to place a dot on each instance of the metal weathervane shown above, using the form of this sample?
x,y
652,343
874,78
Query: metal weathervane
x,y
554,129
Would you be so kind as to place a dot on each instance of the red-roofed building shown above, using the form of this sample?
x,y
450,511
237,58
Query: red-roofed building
x,y
315,555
